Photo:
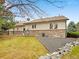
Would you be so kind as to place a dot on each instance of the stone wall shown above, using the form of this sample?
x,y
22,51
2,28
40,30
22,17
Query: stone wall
x,y
52,33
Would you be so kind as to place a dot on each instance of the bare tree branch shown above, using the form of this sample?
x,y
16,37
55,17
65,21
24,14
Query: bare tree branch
x,y
28,7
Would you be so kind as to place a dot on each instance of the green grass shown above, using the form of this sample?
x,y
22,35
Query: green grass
x,y
74,54
76,33
21,48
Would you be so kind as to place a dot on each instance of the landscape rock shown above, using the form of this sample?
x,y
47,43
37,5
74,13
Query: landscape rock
x,y
45,57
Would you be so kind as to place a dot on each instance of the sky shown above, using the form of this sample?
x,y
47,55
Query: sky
x,y
70,9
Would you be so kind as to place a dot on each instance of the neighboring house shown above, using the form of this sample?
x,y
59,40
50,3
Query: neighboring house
x,y
52,26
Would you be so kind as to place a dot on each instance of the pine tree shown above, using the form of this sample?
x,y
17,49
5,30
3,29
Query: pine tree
x,y
77,26
71,27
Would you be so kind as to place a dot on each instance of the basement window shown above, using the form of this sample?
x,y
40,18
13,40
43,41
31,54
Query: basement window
x,y
24,29
43,34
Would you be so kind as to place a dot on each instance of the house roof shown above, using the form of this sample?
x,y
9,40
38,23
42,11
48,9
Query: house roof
x,y
56,18
21,23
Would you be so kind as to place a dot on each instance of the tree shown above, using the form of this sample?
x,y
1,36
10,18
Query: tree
x,y
6,24
77,26
30,8
6,19
71,27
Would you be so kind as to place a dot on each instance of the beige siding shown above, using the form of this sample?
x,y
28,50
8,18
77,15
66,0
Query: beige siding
x,y
28,27
42,26
18,29
61,25
46,26
39,26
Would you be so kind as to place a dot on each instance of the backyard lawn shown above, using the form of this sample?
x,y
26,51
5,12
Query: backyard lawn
x,y
21,48
74,54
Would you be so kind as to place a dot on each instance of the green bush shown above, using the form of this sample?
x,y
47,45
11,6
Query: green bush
x,y
73,34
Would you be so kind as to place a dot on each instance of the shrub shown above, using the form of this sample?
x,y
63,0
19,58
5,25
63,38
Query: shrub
x,y
73,34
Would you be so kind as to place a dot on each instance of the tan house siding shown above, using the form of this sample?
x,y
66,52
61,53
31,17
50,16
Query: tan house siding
x,y
42,26
46,26
61,25
39,26
28,27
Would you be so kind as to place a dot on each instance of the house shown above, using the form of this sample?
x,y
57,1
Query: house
x,y
51,26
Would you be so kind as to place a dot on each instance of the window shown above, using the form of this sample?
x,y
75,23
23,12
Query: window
x,y
51,26
34,26
43,34
56,26
24,29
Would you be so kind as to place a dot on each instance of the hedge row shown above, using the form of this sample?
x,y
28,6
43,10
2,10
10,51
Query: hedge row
x,y
73,34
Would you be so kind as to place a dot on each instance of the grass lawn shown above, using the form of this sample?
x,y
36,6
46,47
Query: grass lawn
x,y
21,48
74,54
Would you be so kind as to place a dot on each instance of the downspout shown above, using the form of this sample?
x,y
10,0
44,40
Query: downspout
x,y
65,28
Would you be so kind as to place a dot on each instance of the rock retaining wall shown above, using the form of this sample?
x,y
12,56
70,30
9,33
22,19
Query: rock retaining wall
x,y
51,33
